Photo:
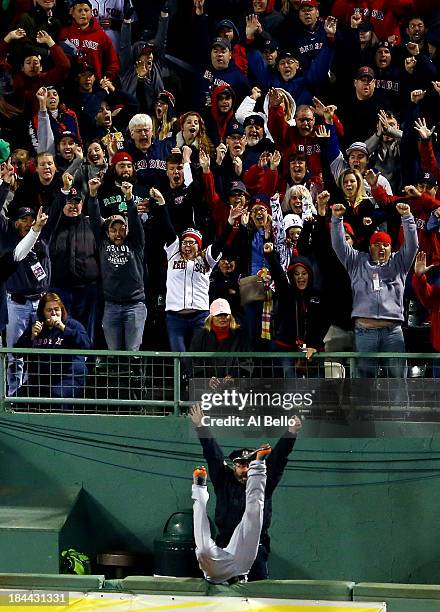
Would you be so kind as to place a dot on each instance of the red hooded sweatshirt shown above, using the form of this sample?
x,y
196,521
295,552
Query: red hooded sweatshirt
x,y
384,15
222,120
94,47
429,295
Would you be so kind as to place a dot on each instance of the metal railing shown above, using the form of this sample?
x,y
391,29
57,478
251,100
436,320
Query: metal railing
x,y
162,383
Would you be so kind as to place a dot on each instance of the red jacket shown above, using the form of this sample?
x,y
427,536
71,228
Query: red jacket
x,y
94,47
385,15
429,295
256,179
429,160
421,208
26,87
288,140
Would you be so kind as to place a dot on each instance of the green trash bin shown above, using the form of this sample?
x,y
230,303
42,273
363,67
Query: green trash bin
x,y
174,552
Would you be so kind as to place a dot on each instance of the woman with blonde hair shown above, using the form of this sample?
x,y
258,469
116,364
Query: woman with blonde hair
x,y
360,210
164,121
193,134
220,333
298,200
287,103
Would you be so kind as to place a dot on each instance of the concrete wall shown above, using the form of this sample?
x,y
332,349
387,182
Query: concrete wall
x,y
363,509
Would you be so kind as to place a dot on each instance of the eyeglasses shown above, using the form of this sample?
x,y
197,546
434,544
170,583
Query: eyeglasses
x,y
188,242
142,130
305,119
258,209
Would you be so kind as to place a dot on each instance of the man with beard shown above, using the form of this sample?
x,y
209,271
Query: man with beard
x,y
110,194
229,484
256,140
222,113
148,154
38,188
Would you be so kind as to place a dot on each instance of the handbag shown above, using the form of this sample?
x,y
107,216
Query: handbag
x,y
251,289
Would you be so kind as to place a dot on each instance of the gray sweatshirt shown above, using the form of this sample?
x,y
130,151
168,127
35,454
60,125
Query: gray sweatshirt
x,y
122,267
377,288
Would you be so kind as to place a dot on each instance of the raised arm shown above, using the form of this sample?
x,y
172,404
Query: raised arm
x,y
134,219
96,221
211,450
407,252
279,456
165,226
345,253
45,137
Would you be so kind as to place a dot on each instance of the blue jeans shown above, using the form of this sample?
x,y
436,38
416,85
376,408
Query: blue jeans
x,y
123,325
71,384
81,304
20,316
380,340
181,328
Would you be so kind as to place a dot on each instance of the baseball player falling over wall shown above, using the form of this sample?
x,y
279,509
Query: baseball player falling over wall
x,y
230,564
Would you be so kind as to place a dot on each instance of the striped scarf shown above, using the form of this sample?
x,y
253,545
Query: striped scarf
x,y
265,276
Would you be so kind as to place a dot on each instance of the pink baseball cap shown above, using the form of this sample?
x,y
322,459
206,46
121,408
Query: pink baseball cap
x,y
219,306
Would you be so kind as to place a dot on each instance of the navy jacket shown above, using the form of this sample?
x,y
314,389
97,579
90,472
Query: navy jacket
x,y
231,494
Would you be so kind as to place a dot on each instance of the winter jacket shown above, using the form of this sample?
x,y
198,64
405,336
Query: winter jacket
x,y
151,166
73,252
93,47
300,316
206,341
34,194
33,274
387,301
302,88
146,90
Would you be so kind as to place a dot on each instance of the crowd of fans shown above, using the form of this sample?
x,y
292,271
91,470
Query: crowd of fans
x,y
269,164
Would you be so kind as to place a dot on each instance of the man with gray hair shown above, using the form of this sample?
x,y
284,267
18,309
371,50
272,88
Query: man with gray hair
x,y
149,154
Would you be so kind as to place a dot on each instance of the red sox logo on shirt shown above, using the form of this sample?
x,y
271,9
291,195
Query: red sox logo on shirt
x,y
180,264
86,44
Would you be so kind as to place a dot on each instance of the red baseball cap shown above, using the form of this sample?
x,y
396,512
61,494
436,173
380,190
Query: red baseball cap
x,y
380,237
121,156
